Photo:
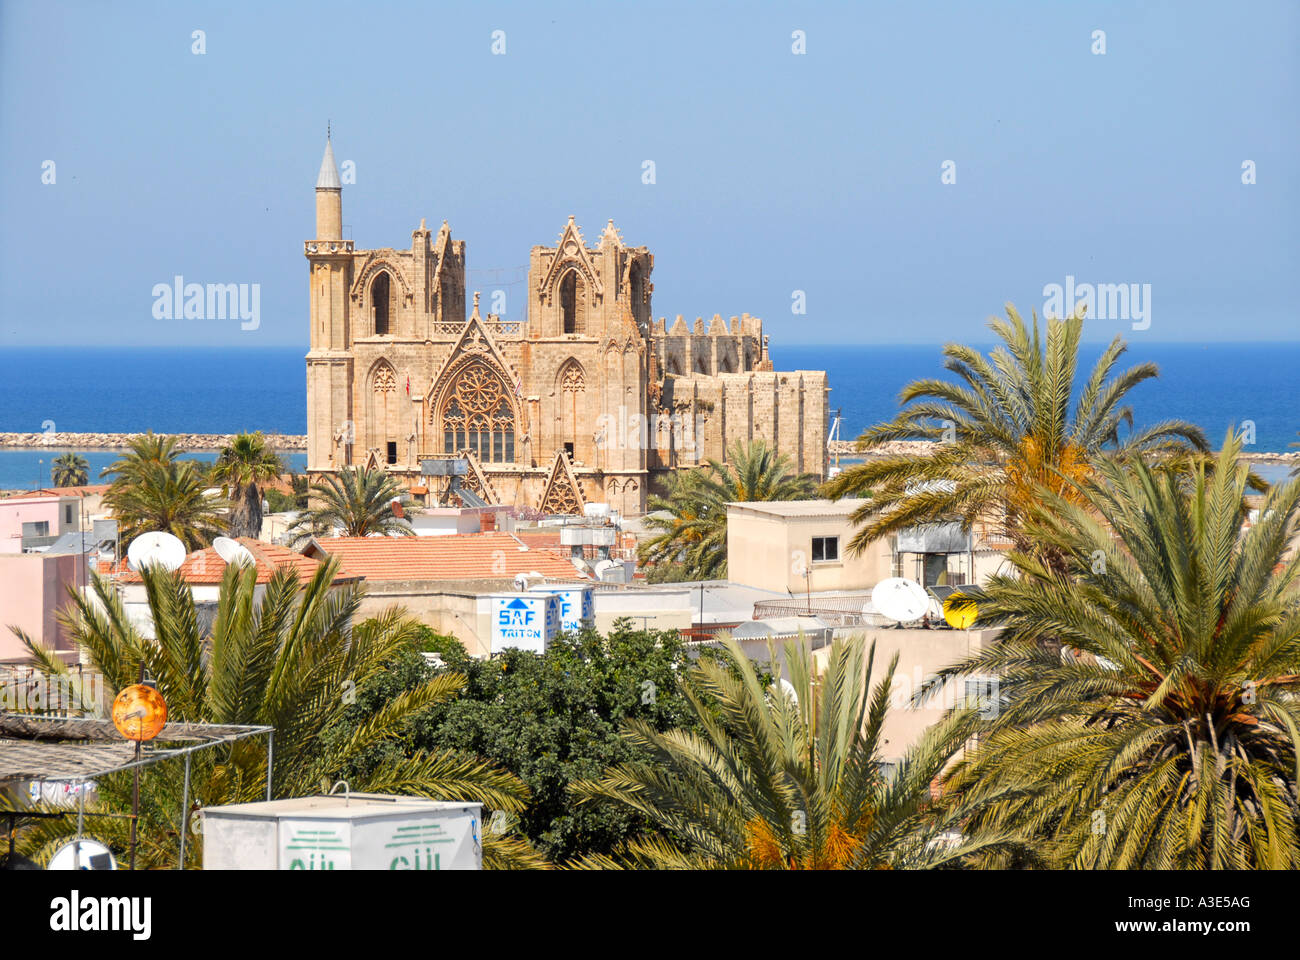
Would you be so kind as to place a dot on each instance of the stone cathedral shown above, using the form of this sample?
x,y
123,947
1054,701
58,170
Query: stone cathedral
x,y
587,400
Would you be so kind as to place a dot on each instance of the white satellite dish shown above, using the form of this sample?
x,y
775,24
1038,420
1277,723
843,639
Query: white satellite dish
x,y
900,599
233,552
527,581
83,854
595,511
155,548
787,689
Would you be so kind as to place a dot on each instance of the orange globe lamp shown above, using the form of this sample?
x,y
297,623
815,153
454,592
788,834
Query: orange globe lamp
x,y
139,712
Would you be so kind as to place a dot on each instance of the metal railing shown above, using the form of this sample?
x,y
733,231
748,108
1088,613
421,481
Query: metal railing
x,y
841,610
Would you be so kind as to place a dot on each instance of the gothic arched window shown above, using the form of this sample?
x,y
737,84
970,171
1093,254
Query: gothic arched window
x,y
573,303
379,292
477,415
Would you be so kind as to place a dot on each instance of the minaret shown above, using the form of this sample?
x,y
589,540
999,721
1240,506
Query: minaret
x,y
329,198
332,436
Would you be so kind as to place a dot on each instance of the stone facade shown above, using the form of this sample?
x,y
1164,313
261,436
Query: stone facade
x,y
588,400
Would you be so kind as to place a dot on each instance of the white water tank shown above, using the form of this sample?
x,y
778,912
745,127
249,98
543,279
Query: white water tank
x,y
363,831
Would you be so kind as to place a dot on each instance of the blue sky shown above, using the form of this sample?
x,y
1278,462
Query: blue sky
x,y
775,172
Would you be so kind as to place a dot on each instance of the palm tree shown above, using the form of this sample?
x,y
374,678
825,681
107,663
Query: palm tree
x,y
69,470
359,502
1006,431
142,449
167,496
695,531
783,778
286,657
1164,735
240,467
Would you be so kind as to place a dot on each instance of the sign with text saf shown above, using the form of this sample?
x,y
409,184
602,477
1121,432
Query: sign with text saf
x,y
526,621
576,605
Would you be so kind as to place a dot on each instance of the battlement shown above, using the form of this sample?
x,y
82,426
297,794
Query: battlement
x,y
741,326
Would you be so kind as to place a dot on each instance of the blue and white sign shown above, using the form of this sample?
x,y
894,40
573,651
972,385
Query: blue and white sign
x,y
527,621
576,605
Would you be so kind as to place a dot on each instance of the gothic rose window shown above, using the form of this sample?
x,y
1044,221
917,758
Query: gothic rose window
x,y
477,415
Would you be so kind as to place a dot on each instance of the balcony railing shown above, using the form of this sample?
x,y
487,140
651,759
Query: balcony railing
x,y
509,329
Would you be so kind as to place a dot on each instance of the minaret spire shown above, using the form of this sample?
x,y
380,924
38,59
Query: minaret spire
x,y
329,194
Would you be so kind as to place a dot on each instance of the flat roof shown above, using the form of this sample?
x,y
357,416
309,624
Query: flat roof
x,y
339,807
799,509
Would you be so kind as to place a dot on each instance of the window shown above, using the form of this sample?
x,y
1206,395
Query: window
x,y
825,548
568,450
379,303
67,515
392,451
982,694
478,416
572,303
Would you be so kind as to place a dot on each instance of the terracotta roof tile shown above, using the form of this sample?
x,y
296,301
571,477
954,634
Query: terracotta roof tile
x,y
207,567
86,490
466,556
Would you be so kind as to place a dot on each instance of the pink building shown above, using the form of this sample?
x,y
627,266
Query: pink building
x,y
37,520
33,588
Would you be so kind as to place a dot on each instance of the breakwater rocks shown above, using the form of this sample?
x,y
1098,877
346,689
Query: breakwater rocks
x,y
118,441
850,448
922,447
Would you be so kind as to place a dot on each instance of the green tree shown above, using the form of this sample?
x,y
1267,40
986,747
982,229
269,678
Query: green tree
x,y
551,719
782,778
170,497
241,466
691,518
357,501
1006,430
69,470
151,489
292,658
1163,734
141,450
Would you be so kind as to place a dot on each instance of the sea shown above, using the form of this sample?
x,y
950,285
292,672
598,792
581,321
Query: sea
x,y
228,390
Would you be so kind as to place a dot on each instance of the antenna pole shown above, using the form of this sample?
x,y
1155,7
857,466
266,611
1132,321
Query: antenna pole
x,y
135,787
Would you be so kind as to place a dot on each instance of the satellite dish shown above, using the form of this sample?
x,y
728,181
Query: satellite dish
x,y
233,552
595,511
83,854
155,548
959,618
900,599
787,690
526,581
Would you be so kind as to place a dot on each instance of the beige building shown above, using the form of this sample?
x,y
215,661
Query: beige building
x,y
801,546
588,399
921,654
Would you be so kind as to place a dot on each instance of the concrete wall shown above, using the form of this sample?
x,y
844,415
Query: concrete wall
x,y
775,552
462,608
33,588
16,511
921,654
666,608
